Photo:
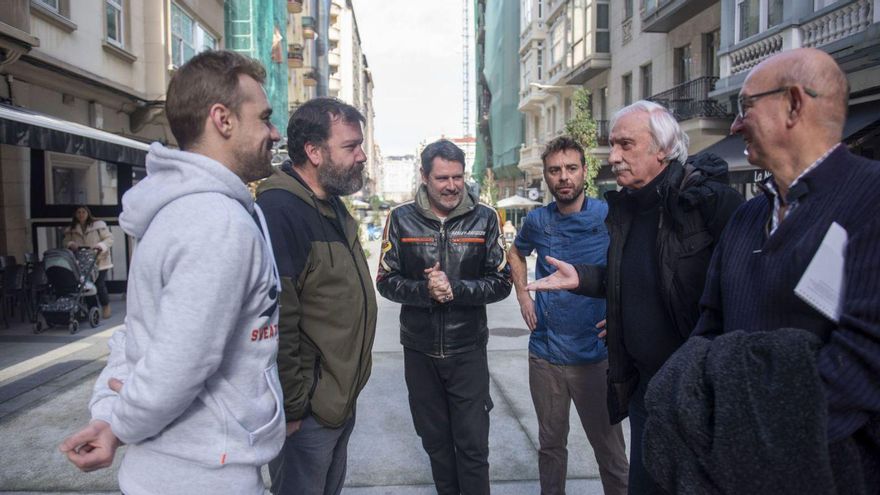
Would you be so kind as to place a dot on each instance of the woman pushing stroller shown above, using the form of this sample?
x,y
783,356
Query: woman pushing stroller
x,y
86,231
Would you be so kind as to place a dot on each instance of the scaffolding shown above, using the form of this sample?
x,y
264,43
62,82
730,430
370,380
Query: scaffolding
x,y
465,69
255,28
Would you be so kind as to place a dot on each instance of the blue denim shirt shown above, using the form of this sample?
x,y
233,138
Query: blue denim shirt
x,y
566,332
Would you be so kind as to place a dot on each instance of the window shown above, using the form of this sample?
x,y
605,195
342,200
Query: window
x,y
821,4
755,16
603,104
626,81
647,86
557,48
747,11
540,62
711,45
683,64
649,5
53,5
540,9
774,13
627,9
577,34
603,37
188,37
114,21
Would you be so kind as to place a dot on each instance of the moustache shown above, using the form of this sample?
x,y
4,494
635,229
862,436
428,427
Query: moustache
x,y
616,169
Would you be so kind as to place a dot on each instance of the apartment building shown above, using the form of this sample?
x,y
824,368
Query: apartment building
x,y
399,177
622,51
499,122
325,58
752,30
83,90
563,45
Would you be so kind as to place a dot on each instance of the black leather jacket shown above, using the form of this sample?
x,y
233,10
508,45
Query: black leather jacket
x,y
470,249
696,203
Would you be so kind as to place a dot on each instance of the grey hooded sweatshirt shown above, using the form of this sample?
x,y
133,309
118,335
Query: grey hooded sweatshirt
x,y
201,406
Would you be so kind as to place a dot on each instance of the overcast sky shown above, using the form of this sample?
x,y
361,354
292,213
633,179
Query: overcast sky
x,y
413,48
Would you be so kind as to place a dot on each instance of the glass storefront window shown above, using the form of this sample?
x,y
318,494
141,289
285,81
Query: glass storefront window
x,y
77,180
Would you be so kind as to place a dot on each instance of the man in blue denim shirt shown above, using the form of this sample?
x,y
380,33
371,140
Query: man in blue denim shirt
x,y
567,359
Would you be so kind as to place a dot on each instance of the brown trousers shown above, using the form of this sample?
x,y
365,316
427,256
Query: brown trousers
x,y
553,389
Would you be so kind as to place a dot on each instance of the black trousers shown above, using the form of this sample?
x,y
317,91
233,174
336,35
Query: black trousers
x,y
449,401
101,285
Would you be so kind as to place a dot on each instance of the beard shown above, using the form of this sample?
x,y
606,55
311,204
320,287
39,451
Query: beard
x,y
254,165
568,198
336,180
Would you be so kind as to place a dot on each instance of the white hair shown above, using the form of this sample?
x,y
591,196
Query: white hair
x,y
665,131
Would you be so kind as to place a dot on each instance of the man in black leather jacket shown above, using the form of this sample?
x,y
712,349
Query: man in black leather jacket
x,y
443,259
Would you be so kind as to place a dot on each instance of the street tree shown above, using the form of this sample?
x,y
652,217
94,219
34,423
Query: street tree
x,y
582,128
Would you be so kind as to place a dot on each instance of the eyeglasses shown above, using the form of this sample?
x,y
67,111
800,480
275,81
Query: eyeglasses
x,y
744,102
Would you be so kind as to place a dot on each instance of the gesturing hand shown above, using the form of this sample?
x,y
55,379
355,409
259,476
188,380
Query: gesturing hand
x,y
564,278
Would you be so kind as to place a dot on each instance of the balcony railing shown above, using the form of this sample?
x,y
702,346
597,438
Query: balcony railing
x,y
752,54
294,56
691,100
294,6
846,21
308,26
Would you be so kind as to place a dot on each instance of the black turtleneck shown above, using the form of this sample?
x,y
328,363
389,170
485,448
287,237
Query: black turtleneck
x,y
649,334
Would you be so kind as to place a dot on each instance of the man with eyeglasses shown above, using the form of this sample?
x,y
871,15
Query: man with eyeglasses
x,y
795,282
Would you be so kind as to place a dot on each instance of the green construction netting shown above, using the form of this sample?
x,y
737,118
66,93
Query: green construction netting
x,y
255,27
502,75
480,165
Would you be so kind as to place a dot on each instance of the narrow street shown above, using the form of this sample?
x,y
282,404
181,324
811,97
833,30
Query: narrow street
x,y
46,381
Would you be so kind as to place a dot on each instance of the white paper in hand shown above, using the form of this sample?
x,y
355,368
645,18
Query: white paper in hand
x,y
821,286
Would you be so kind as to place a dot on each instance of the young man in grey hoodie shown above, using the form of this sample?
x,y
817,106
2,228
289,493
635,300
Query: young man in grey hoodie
x,y
191,385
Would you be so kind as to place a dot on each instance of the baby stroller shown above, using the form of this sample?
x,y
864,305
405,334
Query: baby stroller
x,y
72,293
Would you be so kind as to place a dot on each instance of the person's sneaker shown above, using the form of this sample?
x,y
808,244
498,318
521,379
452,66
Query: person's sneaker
x,y
107,312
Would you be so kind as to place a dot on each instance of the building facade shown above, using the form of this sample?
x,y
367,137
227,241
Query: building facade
x,y
325,58
83,92
399,177
849,30
499,122
620,52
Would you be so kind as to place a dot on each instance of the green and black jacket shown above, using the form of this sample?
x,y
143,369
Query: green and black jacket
x,y
327,318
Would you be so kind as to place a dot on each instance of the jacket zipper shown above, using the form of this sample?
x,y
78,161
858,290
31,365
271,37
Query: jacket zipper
x,y
442,267
357,375
316,375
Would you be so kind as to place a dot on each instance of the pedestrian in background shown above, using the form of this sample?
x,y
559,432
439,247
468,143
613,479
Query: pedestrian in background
x,y
567,360
85,231
443,259
328,305
191,385
663,225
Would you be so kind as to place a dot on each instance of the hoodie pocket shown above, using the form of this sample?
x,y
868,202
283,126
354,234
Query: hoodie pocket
x,y
270,374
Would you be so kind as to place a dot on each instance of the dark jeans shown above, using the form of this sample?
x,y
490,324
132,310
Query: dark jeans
x,y
101,285
640,481
313,460
450,404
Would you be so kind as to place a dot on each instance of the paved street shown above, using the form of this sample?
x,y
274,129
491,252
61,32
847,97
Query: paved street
x,y
46,380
